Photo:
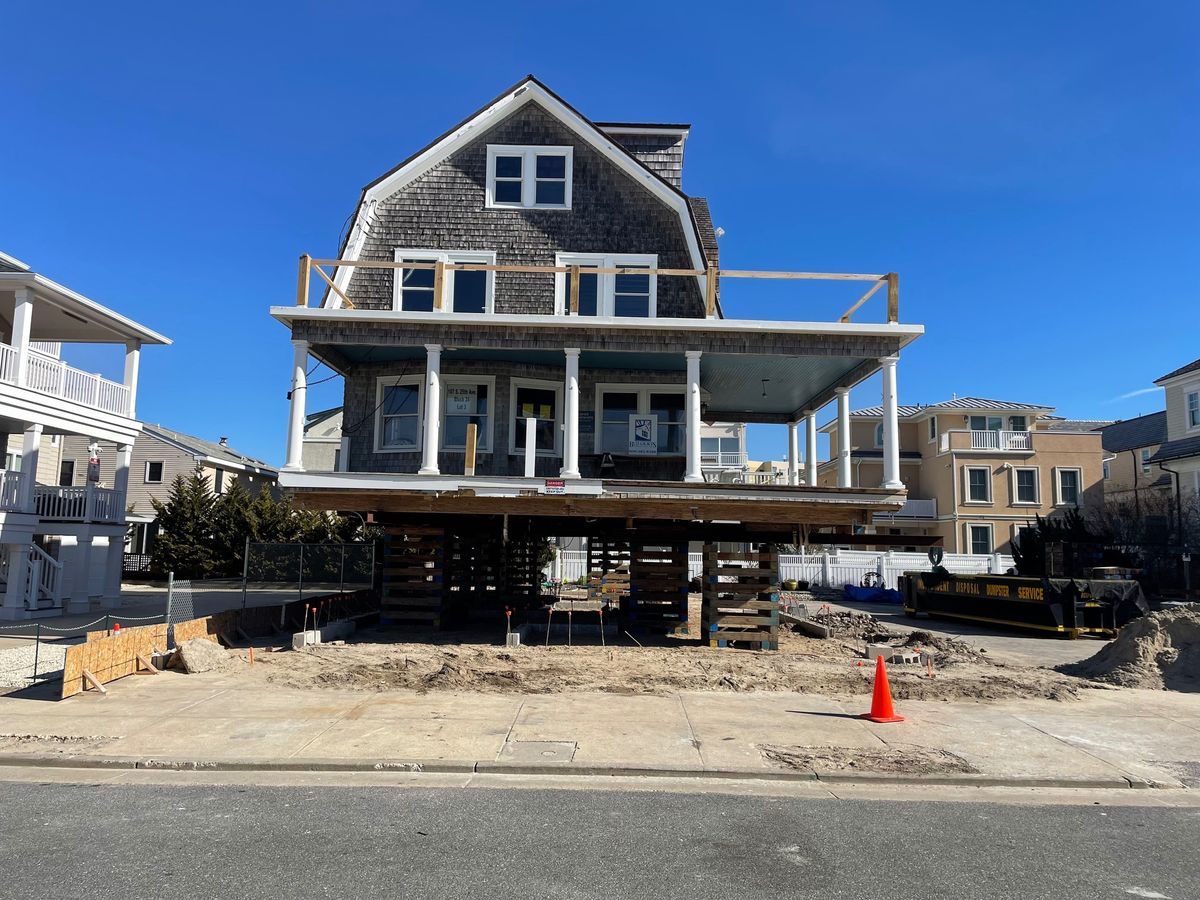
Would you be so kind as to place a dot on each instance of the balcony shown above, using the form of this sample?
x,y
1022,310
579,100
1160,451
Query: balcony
x,y
988,441
913,508
77,504
53,377
731,459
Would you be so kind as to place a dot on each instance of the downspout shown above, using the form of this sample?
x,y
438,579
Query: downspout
x,y
1137,470
1178,502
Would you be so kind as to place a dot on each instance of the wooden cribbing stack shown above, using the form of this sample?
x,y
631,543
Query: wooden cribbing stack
x,y
608,570
658,588
740,599
413,577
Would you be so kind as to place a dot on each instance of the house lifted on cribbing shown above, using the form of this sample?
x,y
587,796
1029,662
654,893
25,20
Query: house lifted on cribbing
x,y
533,326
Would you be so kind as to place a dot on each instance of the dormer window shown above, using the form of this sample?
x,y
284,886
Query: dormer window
x,y
529,177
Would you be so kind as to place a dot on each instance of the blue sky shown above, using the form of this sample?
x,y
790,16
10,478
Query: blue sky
x,y
1031,170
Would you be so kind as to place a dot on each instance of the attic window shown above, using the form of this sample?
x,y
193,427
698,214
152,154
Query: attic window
x,y
529,177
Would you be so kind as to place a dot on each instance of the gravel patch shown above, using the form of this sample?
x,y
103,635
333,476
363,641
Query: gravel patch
x,y
16,663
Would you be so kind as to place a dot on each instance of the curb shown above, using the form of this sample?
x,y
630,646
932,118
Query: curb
x,y
494,767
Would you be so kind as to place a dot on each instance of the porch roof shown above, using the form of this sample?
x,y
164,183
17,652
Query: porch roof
x,y
68,316
750,370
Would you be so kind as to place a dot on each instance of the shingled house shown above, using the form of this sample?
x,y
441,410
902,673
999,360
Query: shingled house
x,y
533,327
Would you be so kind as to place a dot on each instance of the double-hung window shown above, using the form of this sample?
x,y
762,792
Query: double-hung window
x,y
617,405
467,401
1025,485
1069,486
1193,409
529,177
933,432
399,405
979,484
630,294
462,291
1146,461
541,401
979,538
987,423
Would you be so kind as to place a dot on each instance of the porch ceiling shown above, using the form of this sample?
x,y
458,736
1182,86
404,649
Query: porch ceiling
x,y
738,386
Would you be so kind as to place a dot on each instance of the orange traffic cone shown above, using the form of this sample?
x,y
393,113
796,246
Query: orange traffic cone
x,y
116,629
881,700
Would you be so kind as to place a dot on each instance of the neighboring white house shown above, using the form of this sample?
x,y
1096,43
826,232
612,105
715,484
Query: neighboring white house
x,y
62,546
1180,455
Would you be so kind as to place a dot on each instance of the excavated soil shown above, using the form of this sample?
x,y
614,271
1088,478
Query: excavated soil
x,y
450,662
893,761
1160,651
51,743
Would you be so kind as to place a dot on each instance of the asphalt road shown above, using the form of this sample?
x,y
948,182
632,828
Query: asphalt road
x,y
127,841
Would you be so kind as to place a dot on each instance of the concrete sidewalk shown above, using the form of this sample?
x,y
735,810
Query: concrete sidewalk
x,y
1111,738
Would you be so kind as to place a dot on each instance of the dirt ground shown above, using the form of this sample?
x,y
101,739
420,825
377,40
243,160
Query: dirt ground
x,y
382,660
907,761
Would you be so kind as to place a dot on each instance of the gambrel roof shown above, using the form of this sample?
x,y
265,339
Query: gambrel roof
x,y
693,217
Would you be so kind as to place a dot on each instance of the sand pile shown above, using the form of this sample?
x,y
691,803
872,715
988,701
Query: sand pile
x,y
894,760
1160,651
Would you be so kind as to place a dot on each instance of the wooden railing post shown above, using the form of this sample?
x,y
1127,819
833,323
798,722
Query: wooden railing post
x,y
893,281
574,291
439,281
710,291
302,283
472,438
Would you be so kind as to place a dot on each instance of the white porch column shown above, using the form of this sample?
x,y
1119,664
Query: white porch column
x,y
133,358
891,426
295,439
80,601
810,448
570,467
114,556
22,320
433,406
14,595
793,458
843,433
30,453
693,472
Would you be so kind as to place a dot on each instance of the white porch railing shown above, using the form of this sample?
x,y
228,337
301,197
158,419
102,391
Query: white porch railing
x,y
1001,440
834,569
48,375
10,490
77,504
723,459
44,581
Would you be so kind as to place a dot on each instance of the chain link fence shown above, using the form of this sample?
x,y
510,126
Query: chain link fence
x,y
286,572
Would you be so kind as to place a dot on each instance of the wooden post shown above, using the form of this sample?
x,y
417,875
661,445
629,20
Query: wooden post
x,y
710,291
469,465
574,289
439,279
893,281
302,284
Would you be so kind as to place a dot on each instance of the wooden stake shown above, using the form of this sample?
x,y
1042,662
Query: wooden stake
x,y
472,437
574,290
439,279
710,292
893,283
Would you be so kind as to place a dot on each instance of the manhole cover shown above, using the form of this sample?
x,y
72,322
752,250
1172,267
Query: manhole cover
x,y
540,752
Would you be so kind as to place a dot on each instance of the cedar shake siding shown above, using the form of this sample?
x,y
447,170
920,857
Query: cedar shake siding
x,y
662,154
445,209
360,420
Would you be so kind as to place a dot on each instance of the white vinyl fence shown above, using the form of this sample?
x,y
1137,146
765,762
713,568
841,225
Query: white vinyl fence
x,y
833,569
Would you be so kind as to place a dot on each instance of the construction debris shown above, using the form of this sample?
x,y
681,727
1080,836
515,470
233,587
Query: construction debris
x,y
1160,651
201,655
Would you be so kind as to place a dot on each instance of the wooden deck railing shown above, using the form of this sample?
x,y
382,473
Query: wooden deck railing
x,y
709,278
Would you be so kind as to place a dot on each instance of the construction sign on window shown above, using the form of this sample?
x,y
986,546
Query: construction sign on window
x,y
643,434
461,400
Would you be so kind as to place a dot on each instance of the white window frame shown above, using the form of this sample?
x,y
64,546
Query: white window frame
x,y
1024,423
474,380
386,381
967,500
987,421
484,257
879,434
1188,409
970,544
1144,458
1058,498
1107,471
529,155
1037,486
933,429
516,442
606,286
643,408
162,473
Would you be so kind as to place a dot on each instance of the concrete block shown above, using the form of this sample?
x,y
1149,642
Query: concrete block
x,y
513,639
334,631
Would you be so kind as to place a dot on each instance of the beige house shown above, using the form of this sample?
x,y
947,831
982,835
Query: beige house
x,y
976,470
1131,476
1179,456
322,450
